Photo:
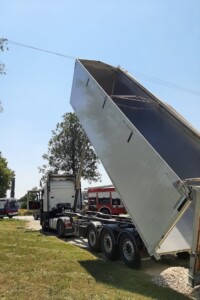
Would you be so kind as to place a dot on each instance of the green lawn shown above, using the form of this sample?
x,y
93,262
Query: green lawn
x,y
35,266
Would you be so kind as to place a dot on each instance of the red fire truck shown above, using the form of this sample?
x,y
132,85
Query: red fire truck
x,y
106,200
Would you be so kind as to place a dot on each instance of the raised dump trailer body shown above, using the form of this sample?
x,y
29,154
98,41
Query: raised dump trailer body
x,y
146,148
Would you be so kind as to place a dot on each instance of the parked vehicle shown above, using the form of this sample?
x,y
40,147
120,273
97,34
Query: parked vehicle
x,y
58,193
57,212
8,207
106,200
150,153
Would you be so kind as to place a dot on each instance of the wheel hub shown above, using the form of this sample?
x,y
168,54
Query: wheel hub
x,y
128,249
92,238
108,245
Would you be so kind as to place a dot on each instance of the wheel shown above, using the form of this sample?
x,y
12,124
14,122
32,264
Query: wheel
x,y
129,251
43,223
10,217
108,246
35,217
60,229
93,238
105,210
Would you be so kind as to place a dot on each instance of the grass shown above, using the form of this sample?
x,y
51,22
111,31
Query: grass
x,y
35,266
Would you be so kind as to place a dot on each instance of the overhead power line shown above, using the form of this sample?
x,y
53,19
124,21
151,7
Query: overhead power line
x,y
39,49
165,83
135,73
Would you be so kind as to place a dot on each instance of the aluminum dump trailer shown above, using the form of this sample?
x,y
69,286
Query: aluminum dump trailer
x,y
147,149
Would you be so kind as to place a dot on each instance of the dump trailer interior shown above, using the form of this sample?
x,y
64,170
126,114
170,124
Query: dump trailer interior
x,y
165,130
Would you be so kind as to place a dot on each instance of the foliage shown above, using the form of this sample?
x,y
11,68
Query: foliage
x,y
3,46
23,201
3,43
6,176
65,150
24,212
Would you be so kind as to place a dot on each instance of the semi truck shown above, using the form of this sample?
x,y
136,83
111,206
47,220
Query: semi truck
x,y
152,156
55,196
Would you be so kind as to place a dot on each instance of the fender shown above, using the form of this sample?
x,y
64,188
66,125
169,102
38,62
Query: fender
x,y
130,231
98,225
105,208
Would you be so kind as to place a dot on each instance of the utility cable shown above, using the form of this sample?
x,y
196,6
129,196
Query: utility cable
x,y
137,74
39,49
164,83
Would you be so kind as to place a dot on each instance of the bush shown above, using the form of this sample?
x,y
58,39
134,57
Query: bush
x,y
24,212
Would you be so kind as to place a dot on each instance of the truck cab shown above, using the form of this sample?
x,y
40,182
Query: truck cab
x,y
52,201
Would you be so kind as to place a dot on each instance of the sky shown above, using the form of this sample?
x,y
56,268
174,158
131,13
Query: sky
x,y
156,41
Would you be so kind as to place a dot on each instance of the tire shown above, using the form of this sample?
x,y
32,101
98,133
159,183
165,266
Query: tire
x,y
93,238
43,223
10,217
108,245
129,251
105,211
60,229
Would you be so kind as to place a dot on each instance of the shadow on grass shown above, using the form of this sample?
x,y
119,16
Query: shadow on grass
x,y
48,233
118,276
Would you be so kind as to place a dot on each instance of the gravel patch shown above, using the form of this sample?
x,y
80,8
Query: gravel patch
x,y
34,225
176,278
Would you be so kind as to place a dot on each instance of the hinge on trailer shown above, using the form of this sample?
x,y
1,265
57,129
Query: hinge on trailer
x,y
195,254
183,189
104,102
87,81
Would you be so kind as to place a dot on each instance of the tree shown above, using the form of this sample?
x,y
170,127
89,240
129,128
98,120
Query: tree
x,y
3,43
23,202
68,148
6,176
